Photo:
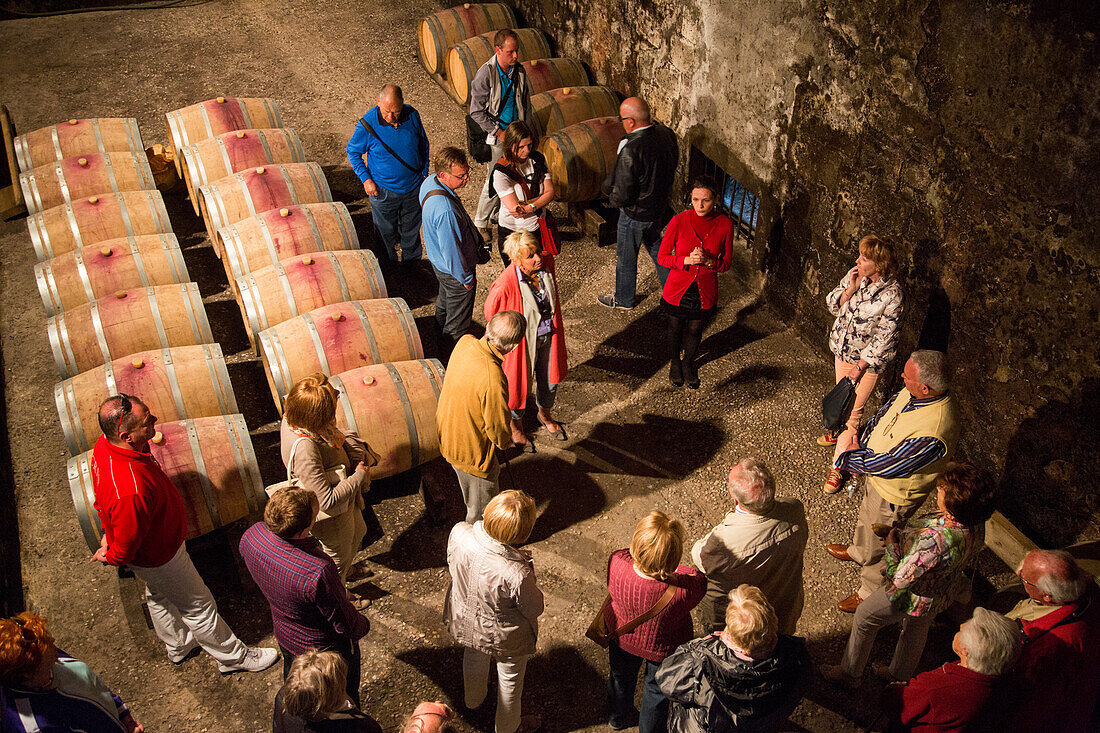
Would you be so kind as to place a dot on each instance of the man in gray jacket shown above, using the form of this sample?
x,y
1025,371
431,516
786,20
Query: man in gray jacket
x,y
760,542
499,95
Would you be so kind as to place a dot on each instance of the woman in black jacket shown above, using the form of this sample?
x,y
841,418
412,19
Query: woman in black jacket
x,y
746,677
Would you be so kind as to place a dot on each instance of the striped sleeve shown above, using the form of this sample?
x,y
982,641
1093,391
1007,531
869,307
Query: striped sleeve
x,y
904,459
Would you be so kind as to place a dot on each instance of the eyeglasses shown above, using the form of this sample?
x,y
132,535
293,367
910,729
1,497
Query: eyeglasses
x,y
127,406
461,176
624,119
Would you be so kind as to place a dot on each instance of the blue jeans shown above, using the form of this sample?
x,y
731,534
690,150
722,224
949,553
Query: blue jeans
x,y
397,219
544,391
632,235
620,693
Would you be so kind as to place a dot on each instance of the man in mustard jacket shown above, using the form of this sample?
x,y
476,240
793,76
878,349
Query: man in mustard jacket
x,y
473,415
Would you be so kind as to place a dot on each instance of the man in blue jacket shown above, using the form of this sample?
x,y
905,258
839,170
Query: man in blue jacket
x,y
451,240
392,140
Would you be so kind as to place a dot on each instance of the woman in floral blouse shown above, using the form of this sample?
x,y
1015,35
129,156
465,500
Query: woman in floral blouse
x,y
864,338
921,579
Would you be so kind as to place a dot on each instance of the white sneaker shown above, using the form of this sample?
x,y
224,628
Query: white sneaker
x,y
256,659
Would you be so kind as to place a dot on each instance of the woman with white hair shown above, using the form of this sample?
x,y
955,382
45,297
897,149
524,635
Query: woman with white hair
x,y
314,699
745,677
958,695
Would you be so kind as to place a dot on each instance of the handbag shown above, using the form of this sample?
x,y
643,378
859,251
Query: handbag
x,y
333,476
598,632
837,405
475,142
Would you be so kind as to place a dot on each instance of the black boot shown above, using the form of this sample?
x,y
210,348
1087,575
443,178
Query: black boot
x,y
690,375
676,372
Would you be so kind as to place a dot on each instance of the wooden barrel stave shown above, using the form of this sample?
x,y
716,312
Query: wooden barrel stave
x,y
223,155
63,181
176,384
103,330
90,273
188,125
211,461
75,138
581,157
336,338
466,57
94,219
557,108
438,32
250,192
392,407
551,73
276,234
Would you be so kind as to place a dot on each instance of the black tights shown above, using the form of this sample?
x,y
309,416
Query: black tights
x,y
684,335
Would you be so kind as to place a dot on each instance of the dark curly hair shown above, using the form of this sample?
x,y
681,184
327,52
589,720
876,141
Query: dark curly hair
x,y
968,492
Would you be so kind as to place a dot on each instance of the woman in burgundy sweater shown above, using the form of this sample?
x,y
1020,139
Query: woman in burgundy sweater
x,y
636,580
698,244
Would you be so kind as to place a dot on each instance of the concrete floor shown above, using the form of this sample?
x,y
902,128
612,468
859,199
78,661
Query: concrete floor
x,y
628,427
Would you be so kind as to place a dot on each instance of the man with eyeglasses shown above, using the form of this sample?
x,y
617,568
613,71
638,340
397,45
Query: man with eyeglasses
x,y
452,241
144,526
639,187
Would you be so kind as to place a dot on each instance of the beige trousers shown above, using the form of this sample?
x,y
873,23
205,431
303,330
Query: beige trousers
x,y
866,548
340,536
864,387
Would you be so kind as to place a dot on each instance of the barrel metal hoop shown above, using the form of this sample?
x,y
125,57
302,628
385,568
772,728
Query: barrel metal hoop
x,y
406,407
62,184
197,315
196,166
173,383
107,166
162,335
145,171
313,228
347,227
272,346
345,404
289,185
63,346
143,275
80,475
269,240
109,377
219,214
97,326
206,119
30,192
99,137
430,374
362,315
178,138
284,280
219,377
345,293
51,299
563,140
250,296
320,183
315,336
133,134
297,150
273,112
81,271
200,470
254,488
246,118
56,142
236,437
126,214
264,144
22,154
220,142
175,258
64,395
408,325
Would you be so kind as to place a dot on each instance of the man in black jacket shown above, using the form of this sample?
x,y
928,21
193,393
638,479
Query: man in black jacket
x,y
639,187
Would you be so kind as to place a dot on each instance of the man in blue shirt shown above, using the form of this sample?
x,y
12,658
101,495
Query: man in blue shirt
x,y
451,240
499,95
392,140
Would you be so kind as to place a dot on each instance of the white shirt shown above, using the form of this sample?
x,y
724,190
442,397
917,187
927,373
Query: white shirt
x,y
503,185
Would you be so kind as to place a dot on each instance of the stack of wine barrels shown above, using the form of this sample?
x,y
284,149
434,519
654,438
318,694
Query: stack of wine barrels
x,y
312,300
124,317
578,124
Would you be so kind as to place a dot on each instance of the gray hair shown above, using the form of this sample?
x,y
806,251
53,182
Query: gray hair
x,y
1060,576
505,330
752,485
992,642
391,91
932,368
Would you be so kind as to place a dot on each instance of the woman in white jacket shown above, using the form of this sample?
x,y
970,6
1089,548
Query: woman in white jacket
x,y
493,604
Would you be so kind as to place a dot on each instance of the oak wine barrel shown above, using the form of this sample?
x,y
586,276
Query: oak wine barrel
x,y
176,384
91,220
249,192
438,32
338,337
565,106
466,57
77,137
90,273
299,284
210,460
188,125
63,181
581,157
392,407
276,234
217,157
129,321
546,74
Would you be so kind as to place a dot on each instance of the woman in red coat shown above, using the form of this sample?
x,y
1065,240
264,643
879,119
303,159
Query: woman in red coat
x,y
538,364
698,244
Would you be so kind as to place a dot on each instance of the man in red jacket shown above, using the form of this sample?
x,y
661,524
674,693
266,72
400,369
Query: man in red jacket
x,y
144,526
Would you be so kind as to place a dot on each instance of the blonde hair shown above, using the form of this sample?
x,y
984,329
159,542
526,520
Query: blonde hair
x,y
881,252
24,640
657,545
518,245
315,684
510,517
750,621
311,404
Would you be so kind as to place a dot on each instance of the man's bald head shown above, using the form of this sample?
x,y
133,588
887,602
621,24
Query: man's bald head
x,y
391,93
390,104
1053,577
635,109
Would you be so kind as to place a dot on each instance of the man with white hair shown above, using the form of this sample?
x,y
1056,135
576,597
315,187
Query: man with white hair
x,y
959,694
900,452
760,542
473,416
1057,680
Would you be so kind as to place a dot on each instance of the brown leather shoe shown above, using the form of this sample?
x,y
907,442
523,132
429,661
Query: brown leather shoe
x,y
833,673
840,552
850,604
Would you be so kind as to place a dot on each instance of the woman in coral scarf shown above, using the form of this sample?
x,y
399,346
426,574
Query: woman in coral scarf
x,y
538,364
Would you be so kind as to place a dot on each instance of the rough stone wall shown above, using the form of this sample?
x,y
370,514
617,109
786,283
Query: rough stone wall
x,y
966,131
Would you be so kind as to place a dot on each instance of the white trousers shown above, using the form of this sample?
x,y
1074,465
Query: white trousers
x,y
184,612
475,678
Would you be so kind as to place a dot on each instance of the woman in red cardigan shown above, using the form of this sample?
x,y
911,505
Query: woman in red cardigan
x,y
538,364
698,244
